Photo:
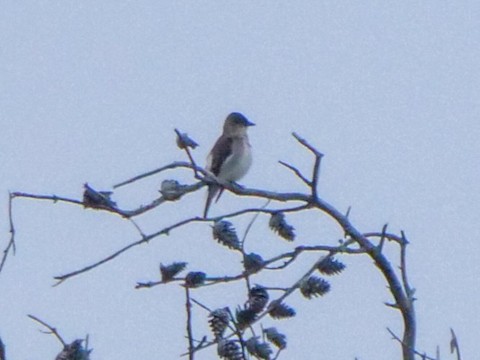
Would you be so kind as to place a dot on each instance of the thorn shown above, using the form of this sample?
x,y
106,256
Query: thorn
x,y
348,211
394,306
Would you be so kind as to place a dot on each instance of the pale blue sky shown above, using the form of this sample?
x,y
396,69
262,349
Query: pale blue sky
x,y
91,91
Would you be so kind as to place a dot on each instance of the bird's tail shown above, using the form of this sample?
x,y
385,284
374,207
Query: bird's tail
x,y
213,190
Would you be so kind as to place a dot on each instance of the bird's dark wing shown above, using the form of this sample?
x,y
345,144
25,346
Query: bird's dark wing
x,y
220,152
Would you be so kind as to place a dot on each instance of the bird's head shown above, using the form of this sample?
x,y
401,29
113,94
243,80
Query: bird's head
x,y
76,345
236,124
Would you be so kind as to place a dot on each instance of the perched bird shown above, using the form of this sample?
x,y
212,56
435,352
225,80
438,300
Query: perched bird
x,y
230,157
73,351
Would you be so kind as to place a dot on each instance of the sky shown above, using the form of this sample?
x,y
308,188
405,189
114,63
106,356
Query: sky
x,y
91,92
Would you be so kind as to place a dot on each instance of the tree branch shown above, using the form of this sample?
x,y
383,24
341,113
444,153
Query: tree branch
x,y
51,329
422,355
188,308
316,167
11,242
397,283
454,345
297,172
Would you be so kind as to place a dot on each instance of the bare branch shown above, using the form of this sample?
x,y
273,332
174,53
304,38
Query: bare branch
x,y
61,278
186,189
290,256
403,267
205,307
382,238
422,355
173,165
245,234
316,166
363,243
297,172
56,199
387,236
396,287
307,145
454,345
250,224
258,210
188,308
11,242
51,329
145,239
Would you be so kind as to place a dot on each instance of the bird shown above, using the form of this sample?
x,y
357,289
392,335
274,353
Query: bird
x,y
73,351
231,156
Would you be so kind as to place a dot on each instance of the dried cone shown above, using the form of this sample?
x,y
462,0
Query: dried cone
x,y
184,141
219,320
278,224
314,286
279,310
330,266
258,349
228,349
253,262
257,299
225,234
245,317
168,272
276,338
195,279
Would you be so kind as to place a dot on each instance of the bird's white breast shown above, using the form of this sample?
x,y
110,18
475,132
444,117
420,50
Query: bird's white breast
x,y
239,162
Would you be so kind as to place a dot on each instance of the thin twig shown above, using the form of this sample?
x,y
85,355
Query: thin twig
x,y
258,210
387,236
56,199
250,224
245,234
11,243
205,307
307,145
454,345
290,256
403,266
164,231
382,238
238,333
61,278
297,172
145,239
423,355
316,166
347,214
186,189
188,308
173,165
52,331
277,354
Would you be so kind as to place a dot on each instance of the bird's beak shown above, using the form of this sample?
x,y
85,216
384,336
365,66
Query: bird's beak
x,y
249,123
